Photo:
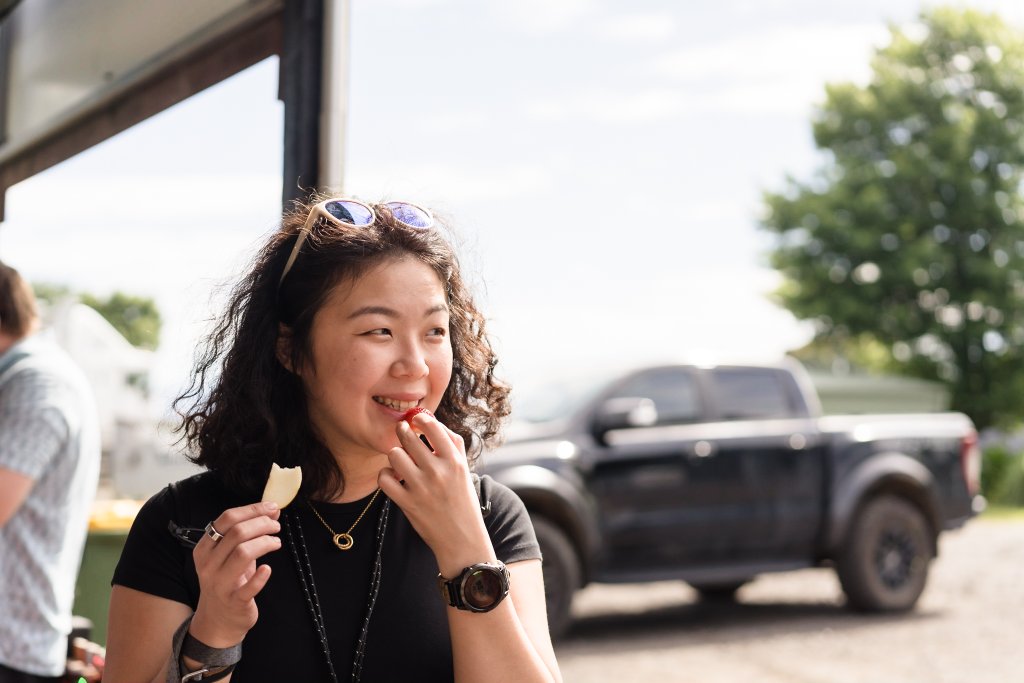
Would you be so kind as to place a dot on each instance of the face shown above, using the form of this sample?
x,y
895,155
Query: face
x,y
380,346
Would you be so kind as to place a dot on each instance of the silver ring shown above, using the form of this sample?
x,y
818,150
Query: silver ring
x,y
214,535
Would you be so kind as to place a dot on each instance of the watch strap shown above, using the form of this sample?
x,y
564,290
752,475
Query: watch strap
x,y
193,648
205,675
199,651
450,591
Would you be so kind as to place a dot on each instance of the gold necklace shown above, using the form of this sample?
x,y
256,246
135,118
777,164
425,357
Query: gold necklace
x,y
344,541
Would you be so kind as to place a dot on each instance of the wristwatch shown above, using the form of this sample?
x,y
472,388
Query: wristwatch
x,y
479,588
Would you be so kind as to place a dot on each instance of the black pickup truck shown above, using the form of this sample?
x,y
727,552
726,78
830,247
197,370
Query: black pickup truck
x,y
716,474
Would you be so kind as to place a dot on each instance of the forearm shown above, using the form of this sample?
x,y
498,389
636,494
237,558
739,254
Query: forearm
x,y
213,657
495,646
14,488
510,642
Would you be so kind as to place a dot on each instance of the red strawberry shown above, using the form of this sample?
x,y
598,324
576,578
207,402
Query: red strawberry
x,y
413,412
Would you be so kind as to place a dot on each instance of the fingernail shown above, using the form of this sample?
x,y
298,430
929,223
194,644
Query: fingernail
x,y
270,505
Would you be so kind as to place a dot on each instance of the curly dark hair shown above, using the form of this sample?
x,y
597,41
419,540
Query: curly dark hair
x,y
245,410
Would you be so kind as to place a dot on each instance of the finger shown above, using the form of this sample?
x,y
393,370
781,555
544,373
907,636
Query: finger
x,y
435,431
229,518
390,482
240,533
415,444
233,516
244,555
456,439
251,588
404,466
251,528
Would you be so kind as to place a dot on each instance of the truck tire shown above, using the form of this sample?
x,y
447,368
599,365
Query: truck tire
x,y
561,574
883,566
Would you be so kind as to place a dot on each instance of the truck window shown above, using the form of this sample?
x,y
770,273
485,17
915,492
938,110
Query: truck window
x,y
556,398
673,390
750,393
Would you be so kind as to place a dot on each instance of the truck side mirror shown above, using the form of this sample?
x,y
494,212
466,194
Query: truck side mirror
x,y
624,412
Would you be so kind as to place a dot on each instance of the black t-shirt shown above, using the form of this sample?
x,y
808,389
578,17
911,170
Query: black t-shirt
x,y
408,636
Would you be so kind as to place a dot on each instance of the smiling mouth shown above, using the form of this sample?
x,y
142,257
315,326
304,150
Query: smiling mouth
x,y
400,406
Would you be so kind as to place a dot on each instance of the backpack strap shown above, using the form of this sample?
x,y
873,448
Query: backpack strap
x,y
485,503
10,360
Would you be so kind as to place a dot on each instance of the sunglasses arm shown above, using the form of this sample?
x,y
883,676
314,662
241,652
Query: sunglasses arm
x,y
310,219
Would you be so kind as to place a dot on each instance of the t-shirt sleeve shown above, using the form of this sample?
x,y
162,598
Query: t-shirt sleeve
x,y
508,523
33,428
153,560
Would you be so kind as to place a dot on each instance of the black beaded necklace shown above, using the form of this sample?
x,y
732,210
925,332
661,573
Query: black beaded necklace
x,y
292,529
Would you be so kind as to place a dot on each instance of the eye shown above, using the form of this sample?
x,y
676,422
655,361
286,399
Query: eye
x,y
438,332
379,332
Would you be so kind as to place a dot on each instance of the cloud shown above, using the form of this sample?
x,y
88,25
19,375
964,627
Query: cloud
x,y
102,200
815,53
448,121
605,106
441,185
638,28
544,16
782,71
414,4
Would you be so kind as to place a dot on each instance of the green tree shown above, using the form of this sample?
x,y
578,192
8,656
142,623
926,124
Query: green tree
x,y
910,238
136,318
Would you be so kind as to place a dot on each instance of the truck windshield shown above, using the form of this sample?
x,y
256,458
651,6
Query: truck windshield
x,y
554,399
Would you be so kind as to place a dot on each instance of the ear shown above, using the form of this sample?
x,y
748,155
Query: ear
x,y
283,351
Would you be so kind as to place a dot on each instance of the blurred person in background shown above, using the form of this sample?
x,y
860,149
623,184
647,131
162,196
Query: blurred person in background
x,y
49,468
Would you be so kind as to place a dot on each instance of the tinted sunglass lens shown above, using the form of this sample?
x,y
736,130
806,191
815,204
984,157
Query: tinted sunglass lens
x,y
349,212
410,215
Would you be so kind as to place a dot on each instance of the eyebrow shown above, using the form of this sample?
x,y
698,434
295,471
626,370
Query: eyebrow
x,y
392,313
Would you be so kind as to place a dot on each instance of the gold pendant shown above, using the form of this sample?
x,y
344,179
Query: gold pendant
x,y
343,541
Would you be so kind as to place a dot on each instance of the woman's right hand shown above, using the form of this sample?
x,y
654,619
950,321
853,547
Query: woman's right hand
x,y
229,576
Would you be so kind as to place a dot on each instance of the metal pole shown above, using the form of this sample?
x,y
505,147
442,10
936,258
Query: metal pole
x,y
301,80
334,92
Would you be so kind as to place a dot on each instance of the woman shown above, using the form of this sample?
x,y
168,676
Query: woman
x,y
393,562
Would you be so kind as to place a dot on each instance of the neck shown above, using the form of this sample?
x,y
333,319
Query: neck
x,y
7,341
360,479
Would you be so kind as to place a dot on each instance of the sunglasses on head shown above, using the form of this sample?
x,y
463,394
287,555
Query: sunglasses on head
x,y
352,213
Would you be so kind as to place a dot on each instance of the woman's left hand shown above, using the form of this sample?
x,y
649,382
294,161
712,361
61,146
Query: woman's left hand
x,y
435,491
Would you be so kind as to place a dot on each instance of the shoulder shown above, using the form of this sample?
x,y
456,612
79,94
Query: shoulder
x,y
201,496
499,496
42,371
508,522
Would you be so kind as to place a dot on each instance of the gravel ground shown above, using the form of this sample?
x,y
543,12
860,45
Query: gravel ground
x,y
793,628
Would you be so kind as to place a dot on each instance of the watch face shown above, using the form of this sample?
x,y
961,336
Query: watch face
x,y
482,588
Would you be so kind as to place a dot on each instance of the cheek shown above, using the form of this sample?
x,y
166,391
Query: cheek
x,y
335,371
442,369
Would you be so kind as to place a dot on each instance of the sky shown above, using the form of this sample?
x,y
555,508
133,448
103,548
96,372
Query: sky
x,y
601,166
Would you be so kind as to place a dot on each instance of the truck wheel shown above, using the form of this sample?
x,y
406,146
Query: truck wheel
x,y
883,566
718,592
561,574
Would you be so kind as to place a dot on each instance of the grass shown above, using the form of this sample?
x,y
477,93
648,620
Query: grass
x,y
1003,512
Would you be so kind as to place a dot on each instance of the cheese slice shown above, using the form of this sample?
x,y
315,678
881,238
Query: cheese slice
x,y
282,485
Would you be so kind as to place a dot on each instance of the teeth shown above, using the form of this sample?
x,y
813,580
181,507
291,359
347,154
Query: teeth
x,y
395,405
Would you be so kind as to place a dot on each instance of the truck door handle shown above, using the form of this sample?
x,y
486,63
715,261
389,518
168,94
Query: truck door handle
x,y
703,449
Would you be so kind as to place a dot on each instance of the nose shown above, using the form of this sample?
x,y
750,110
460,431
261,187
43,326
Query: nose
x,y
412,362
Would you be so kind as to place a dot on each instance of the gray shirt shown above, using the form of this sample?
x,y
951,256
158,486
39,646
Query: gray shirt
x,y
49,432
